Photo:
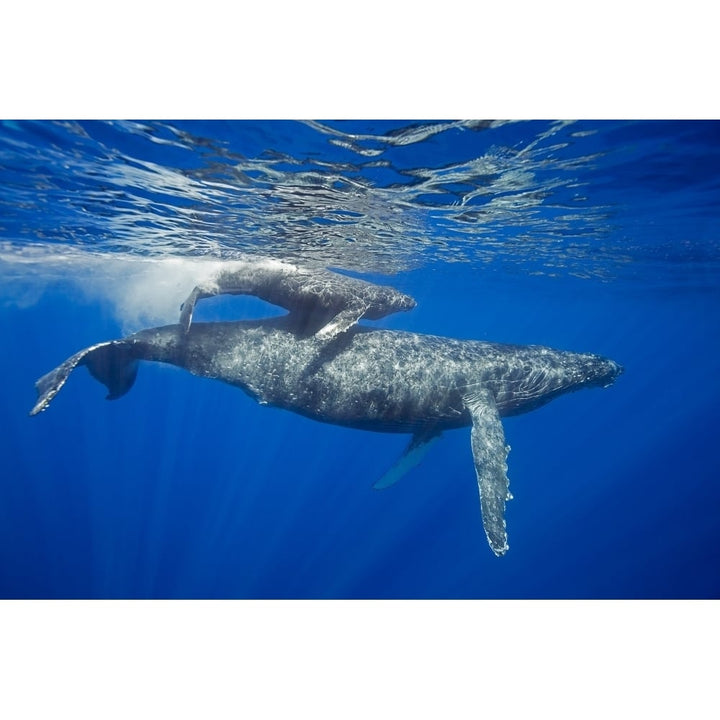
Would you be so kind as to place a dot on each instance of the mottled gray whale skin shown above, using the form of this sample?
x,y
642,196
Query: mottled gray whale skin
x,y
321,302
387,381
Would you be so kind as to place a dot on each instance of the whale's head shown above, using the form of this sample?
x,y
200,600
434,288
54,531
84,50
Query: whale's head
x,y
599,371
386,300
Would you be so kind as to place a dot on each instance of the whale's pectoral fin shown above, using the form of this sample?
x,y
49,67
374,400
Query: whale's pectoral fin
x,y
188,307
490,455
413,454
112,363
344,320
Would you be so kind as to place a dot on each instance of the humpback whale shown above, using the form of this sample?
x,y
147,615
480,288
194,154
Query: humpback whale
x,y
387,381
321,302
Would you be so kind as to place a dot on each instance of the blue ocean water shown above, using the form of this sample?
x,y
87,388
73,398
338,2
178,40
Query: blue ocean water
x,y
598,237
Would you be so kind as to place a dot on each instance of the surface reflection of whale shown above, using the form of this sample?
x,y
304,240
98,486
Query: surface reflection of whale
x,y
379,380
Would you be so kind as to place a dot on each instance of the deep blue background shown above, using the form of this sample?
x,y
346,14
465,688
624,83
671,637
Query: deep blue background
x,y
185,488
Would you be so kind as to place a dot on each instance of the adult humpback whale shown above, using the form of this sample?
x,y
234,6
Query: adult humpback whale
x,y
381,380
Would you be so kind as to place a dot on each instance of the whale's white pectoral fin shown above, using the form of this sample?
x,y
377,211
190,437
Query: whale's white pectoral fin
x,y
187,309
490,455
344,320
413,454
198,293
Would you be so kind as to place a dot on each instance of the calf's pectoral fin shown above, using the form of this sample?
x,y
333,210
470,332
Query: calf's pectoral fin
x,y
344,320
188,307
413,454
490,456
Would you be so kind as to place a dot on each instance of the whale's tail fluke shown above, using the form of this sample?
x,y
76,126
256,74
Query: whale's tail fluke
x,y
112,363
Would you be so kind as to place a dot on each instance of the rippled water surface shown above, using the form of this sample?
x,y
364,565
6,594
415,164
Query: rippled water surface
x,y
591,199
589,236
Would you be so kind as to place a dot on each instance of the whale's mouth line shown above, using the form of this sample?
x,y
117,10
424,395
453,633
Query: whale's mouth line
x,y
618,370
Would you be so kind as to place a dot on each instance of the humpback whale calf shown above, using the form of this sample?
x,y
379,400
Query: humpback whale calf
x,y
388,381
321,302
